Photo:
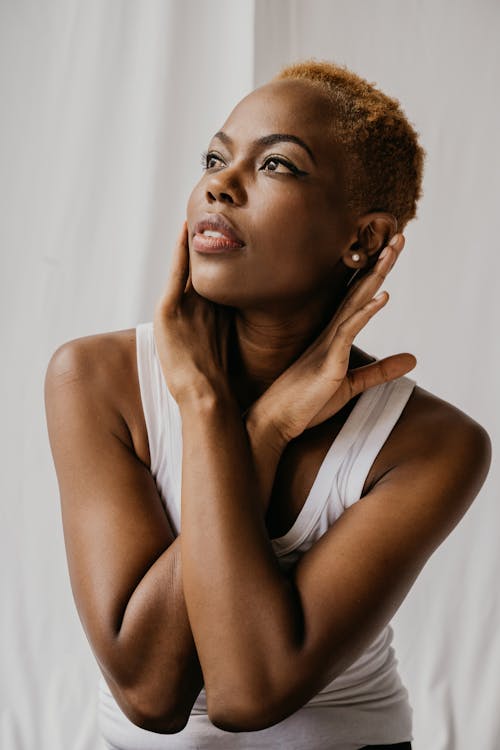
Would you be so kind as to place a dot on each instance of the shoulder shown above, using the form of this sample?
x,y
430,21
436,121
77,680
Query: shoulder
x,y
102,366
97,356
430,426
429,429
437,446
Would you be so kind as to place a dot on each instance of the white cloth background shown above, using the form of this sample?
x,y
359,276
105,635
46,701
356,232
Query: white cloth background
x,y
105,107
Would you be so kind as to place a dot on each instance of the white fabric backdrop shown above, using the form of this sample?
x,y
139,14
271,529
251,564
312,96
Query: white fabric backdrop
x,y
105,107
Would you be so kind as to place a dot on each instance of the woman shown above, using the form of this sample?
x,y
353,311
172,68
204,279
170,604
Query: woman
x,y
265,623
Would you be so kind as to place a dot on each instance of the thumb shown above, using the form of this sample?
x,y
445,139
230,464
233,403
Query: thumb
x,y
381,371
179,270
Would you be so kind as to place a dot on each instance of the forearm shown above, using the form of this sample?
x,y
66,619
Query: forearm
x,y
162,672
244,615
155,641
267,446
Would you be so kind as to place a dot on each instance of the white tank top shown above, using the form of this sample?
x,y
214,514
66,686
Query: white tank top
x,y
366,704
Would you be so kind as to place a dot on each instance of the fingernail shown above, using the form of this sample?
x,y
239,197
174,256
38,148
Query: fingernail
x,y
394,240
384,252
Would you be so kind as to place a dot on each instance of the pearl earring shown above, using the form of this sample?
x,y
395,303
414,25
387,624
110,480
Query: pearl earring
x,y
355,257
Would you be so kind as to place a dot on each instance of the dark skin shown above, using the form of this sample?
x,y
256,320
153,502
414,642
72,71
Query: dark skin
x,y
270,337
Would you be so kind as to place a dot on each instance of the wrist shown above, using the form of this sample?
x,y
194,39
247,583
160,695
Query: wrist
x,y
263,428
202,394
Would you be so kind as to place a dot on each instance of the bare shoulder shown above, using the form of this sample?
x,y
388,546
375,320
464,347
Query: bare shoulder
x,y
430,425
429,431
106,365
101,357
438,436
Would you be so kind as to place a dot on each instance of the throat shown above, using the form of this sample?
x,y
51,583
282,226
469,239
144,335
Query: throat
x,y
258,354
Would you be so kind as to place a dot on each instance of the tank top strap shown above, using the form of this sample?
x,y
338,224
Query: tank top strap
x,y
385,410
151,390
163,424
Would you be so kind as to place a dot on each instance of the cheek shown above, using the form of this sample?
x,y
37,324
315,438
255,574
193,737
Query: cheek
x,y
288,254
292,234
294,211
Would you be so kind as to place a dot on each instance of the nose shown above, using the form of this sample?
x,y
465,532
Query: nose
x,y
224,186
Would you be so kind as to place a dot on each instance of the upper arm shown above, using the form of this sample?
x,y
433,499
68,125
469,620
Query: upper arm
x,y
352,581
113,520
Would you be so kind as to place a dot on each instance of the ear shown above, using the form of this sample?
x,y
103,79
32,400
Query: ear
x,y
374,230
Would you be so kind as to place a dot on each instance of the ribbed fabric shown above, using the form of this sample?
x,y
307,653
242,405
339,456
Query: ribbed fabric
x,y
366,704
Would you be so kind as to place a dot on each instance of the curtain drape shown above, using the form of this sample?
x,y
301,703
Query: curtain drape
x,y
105,108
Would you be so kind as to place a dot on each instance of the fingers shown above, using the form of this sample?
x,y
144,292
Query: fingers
x,y
364,290
340,348
386,260
379,372
374,279
178,278
354,316
398,242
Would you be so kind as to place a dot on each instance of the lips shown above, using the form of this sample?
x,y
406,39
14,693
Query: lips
x,y
214,233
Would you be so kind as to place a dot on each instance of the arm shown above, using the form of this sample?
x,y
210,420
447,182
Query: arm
x,y
124,563
268,644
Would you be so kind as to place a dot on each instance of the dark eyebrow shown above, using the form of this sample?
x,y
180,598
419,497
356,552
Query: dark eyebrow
x,y
269,140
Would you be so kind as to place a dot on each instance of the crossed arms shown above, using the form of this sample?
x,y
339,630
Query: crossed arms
x,y
164,615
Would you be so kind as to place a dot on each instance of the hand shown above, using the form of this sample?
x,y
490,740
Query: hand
x,y
318,384
191,333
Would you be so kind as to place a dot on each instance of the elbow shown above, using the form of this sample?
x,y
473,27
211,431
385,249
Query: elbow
x,y
231,721
164,722
145,713
169,724
156,699
245,716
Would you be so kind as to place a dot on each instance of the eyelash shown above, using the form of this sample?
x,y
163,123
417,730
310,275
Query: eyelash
x,y
206,155
204,158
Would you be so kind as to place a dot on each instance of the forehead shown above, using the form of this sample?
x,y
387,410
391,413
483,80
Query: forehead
x,y
288,106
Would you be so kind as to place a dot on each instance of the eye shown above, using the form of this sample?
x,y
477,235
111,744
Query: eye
x,y
211,159
280,165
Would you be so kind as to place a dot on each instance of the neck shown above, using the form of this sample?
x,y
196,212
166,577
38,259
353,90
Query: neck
x,y
262,346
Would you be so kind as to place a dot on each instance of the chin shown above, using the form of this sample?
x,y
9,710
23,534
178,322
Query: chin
x,y
217,292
